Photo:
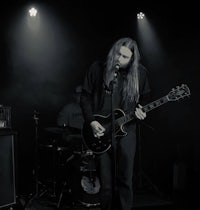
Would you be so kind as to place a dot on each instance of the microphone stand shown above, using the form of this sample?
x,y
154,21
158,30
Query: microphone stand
x,y
112,87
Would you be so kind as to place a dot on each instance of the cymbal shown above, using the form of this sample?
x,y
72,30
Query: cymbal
x,y
72,130
75,136
55,130
57,148
84,153
63,149
61,130
46,145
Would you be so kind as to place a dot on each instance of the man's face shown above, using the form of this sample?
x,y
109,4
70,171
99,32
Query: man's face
x,y
123,57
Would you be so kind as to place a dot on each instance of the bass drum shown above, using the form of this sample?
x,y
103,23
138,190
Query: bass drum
x,y
85,181
90,189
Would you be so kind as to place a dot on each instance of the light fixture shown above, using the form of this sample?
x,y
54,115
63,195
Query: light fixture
x,y
140,15
32,12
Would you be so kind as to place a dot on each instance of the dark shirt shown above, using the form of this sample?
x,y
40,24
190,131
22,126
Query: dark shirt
x,y
95,95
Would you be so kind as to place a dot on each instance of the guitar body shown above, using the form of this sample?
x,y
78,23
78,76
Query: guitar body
x,y
104,143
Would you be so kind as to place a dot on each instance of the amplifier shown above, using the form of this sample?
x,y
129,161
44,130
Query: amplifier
x,y
5,117
7,169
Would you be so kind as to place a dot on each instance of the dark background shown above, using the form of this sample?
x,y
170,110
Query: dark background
x,y
39,72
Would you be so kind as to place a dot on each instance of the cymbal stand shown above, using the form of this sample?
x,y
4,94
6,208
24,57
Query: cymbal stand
x,y
54,168
47,189
36,159
35,171
65,186
61,194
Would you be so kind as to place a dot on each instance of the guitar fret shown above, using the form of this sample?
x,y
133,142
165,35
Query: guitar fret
x,y
125,119
155,104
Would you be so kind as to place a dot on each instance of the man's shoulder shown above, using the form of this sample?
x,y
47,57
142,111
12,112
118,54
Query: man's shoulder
x,y
96,68
97,64
143,69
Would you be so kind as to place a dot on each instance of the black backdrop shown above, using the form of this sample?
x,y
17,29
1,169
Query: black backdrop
x,y
79,33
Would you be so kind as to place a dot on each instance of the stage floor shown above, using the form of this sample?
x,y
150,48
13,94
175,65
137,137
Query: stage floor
x,y
143,201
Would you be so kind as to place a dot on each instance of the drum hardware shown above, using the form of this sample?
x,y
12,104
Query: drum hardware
x,y
54,150
65,156
77,152
68,137
89,182
36,121
61,156
46,146
70,158
55,130
39,191
65,187
89,204
54,147
84,153
61,195
70,131
57,152
62,149
41,188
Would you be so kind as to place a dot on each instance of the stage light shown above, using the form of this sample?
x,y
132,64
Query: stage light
x,y
140,15
32,12
149,41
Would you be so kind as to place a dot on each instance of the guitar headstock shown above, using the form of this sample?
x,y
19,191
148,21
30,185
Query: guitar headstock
x,y
179,92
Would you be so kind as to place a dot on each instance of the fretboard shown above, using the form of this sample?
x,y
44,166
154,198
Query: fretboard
x,y
146,108
155,104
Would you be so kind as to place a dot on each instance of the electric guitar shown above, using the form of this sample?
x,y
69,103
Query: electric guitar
x,y
103,143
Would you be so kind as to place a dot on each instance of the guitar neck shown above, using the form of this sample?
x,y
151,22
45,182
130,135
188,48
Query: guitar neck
x,y
155,104
146,108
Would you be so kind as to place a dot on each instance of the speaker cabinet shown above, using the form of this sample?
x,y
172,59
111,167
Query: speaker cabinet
x,y
7,169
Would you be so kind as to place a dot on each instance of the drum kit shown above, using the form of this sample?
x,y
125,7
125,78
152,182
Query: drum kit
x,y
68,167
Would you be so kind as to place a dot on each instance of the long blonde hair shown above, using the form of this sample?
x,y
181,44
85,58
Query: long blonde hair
x,y
131,83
